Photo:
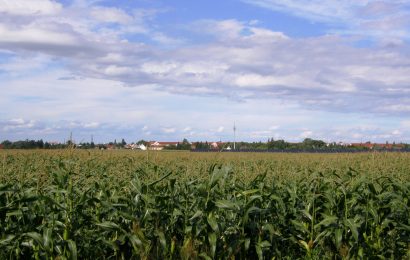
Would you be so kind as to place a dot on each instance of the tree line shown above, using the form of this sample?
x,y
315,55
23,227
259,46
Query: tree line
x,y
307,144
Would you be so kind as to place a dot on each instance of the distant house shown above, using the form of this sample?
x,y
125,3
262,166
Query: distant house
x,y
141,147
216,145
157,146
372,146
135,146
110,146
1,146
367,145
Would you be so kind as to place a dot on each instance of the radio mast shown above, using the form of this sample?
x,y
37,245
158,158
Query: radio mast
x,y
234,136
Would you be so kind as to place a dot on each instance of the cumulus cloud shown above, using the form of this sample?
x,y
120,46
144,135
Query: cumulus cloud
x,y
91,125
321,73
32,7
82,28
17,124
110,15
32,35
324,73
306,134
220,129
19,128
168,130
375,18
187,129
239,61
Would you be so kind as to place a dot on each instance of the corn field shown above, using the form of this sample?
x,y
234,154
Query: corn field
x,y
179,205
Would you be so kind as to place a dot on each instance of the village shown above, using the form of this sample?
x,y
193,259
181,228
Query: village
x,y
270,145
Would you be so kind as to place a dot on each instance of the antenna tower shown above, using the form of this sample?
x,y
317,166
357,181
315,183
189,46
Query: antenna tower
x,y
234,136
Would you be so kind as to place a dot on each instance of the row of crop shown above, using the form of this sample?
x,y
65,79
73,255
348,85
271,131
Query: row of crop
x,y
221,217
119,167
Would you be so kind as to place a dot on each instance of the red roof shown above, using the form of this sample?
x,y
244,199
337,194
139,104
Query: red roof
x,y
372,145
367,145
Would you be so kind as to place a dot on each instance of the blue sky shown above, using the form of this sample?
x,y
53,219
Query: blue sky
x,y
168,70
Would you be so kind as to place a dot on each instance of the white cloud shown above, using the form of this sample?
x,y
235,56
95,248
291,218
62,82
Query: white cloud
x,y
16,121
113,58
376,18
397,108
396,132
114,70
306,134
321,73
33,35
187,129
110,15
31,7
168,130
92,125
257,80
227,30
242,69
166,40
17,124
264,135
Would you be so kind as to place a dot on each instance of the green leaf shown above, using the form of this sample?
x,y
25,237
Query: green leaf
x,y
264,244
216,175
177,212
162,239
338,237
204,256
212,242
160,179
353,228
36,237
14,213
328,220
7,240
247,244
72,249
259,251
212,222
248,192
47,233
108,225
307,214
304,245
299,226
226,204
135,241
196,215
